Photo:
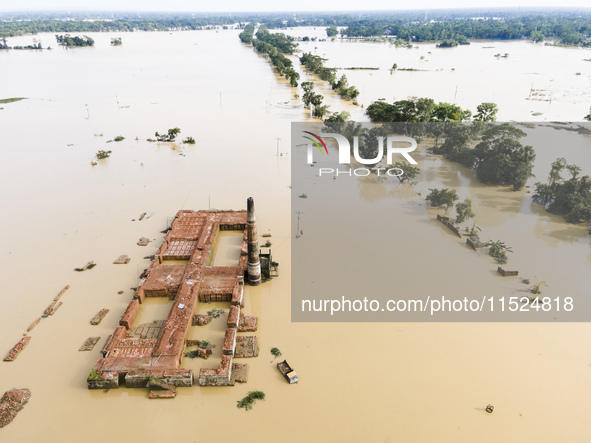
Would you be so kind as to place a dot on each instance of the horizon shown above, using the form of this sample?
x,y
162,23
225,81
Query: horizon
x,y
266,6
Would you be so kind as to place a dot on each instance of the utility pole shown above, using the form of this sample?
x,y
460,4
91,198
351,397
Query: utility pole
x,y
300,215
277,138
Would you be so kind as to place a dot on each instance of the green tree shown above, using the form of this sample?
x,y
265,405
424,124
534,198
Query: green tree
x,y
498,250
439,197
568,197
169,136
536,36
486,112
331,31
501,159
464,211
337,117
409,172
445,112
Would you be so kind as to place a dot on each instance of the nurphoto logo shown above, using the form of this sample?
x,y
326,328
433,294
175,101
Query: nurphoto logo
x,y
395,145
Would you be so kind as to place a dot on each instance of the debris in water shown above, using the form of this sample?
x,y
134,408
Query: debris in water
x,y
490,408
16,350
201,320
88,265
165,393
142,216
11,403
89,343
99,317
35,323
50,310
143,241
122,260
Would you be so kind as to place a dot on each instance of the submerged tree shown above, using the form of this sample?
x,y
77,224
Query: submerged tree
x,y
498,250
486,112
464,211
170,136
568,197
439,197
501,159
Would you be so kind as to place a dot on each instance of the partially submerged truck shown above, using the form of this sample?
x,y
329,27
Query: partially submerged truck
x,y
289,374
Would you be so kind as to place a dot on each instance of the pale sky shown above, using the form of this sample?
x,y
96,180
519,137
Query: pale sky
x,y
272,5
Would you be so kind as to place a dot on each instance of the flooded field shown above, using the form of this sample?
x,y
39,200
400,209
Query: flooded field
x,y
382,382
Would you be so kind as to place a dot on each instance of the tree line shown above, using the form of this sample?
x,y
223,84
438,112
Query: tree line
x,y
274,45
568,26
315,64
68,40
567,30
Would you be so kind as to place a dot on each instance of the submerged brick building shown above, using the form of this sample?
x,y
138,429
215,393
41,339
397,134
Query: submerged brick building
x,y
159,354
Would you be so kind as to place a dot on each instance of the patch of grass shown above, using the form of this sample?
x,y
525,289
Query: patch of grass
x,y
525,281
95,375
119,138
189,141
191,354
90,266
248,401
12,100
268,244
216,313
303,196
275,352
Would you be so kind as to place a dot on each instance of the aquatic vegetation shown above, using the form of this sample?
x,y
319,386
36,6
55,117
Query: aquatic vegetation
x,y
189,141
472,231
275,352
101,154
12,100
216,313
303,196
119,138
170,136
248,401
537,288
95,375
498,250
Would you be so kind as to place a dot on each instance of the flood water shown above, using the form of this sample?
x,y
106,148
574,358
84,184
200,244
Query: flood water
x,y
383,382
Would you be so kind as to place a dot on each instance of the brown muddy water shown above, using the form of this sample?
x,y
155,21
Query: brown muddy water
x,y
376,382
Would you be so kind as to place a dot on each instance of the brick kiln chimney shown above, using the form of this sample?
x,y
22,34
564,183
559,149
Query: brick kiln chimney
x,y
254,262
